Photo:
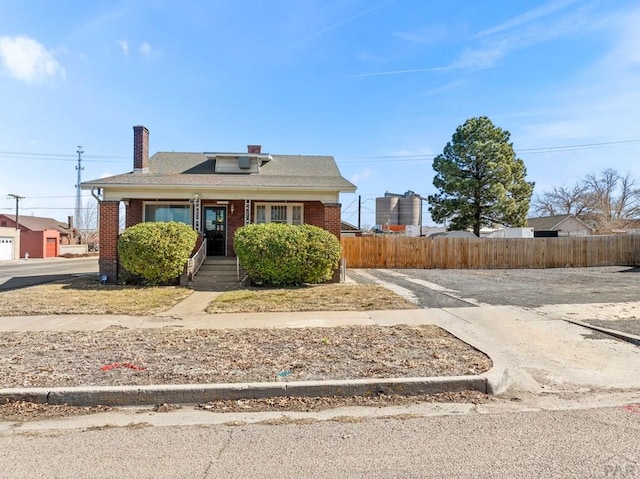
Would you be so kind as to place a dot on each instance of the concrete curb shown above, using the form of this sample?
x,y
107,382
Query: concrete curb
x,y
497,378
491,382
631,338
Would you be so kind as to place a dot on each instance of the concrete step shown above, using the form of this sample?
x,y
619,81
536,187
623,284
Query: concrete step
x,y
208,285
221,271
216,277
217,273
220,260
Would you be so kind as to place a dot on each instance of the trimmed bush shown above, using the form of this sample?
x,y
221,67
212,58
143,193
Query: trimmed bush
x,y
275,254
156,251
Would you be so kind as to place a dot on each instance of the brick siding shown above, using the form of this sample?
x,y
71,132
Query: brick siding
x,y
109,225
332,218
133,213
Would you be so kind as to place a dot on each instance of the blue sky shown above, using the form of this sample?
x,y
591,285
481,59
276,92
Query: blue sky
x,y
380,85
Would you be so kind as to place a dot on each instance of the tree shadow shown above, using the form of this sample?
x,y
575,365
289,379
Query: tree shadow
x,y
18,282
632,269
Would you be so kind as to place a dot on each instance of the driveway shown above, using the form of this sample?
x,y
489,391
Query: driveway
x,y
526,288
21,273
437,288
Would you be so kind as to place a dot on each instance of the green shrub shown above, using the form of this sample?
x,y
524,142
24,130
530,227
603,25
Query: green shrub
x,y
156,251
277,254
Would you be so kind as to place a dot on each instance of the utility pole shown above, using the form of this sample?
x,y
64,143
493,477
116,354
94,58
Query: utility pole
x,y
359,210
17,198
79,168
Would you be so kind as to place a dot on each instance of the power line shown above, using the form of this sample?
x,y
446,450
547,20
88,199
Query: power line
x,y
345,159
520,151
17,198
17,155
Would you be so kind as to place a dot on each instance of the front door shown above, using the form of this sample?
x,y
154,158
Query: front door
x,y
215,230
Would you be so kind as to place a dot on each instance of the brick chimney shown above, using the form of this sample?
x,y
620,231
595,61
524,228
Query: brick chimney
x,y
257,149
140,149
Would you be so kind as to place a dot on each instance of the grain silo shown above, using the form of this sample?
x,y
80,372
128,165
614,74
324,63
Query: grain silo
x,y
387,210
409,209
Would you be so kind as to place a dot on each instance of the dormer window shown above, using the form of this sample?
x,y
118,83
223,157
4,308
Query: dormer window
x,y
230,163
244,162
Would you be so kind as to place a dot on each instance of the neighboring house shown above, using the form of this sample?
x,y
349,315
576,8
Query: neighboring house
x,y
216,193
629,227
559,225
517,232
9,243
41,237
347,229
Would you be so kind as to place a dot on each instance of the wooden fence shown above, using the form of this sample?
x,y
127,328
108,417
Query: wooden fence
x,y
490,253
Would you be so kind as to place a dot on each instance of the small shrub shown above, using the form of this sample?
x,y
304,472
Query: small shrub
x,y
156,251
277,254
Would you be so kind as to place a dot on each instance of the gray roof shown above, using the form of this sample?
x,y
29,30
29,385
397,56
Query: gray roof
x,y
197,170
551,223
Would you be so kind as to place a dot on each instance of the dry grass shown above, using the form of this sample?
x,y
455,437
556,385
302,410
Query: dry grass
x,y
324,297
85,295
137,357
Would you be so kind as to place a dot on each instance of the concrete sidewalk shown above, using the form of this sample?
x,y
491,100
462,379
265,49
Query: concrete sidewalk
x,y
533,350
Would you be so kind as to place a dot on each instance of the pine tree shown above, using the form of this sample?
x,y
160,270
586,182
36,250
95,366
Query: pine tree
x,y
480,180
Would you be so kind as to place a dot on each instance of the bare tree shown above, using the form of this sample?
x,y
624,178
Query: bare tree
x,y
562,200
615,198
87,224
606,200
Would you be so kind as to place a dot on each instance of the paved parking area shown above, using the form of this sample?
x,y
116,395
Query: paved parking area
x,y
527,288
516,287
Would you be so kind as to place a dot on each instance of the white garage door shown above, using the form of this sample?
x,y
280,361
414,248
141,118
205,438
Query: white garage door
x,y
6,248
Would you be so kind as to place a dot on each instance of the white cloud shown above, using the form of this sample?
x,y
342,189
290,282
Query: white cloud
x,y
528,16
125,47
491,51
145,50
430,35
361,176
29,61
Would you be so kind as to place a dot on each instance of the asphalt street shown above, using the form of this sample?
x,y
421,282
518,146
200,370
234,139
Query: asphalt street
x,y
21,273
590,443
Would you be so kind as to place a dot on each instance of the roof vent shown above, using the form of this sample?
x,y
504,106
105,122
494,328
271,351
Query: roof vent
x,y
244,162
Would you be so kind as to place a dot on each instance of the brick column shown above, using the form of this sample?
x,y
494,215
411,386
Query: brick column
x,y
332,225
133,213
109,222
332,218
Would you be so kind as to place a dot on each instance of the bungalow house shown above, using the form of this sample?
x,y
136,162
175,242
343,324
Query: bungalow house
x,y
41,237
216,193
559,225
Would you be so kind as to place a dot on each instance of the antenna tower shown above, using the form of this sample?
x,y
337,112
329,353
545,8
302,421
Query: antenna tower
x,y
79,168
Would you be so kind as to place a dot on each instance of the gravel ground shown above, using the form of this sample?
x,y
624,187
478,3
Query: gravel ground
x,y
173,356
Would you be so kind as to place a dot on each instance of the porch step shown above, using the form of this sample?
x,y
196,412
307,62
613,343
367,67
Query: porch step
x,y
217,274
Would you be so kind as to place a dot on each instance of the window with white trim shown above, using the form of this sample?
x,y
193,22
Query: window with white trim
x,y
291,213
180,213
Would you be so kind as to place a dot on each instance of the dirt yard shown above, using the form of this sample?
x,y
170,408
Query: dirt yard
x,y
173,356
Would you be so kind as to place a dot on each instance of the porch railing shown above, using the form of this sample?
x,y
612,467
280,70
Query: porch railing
x,y
194,263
